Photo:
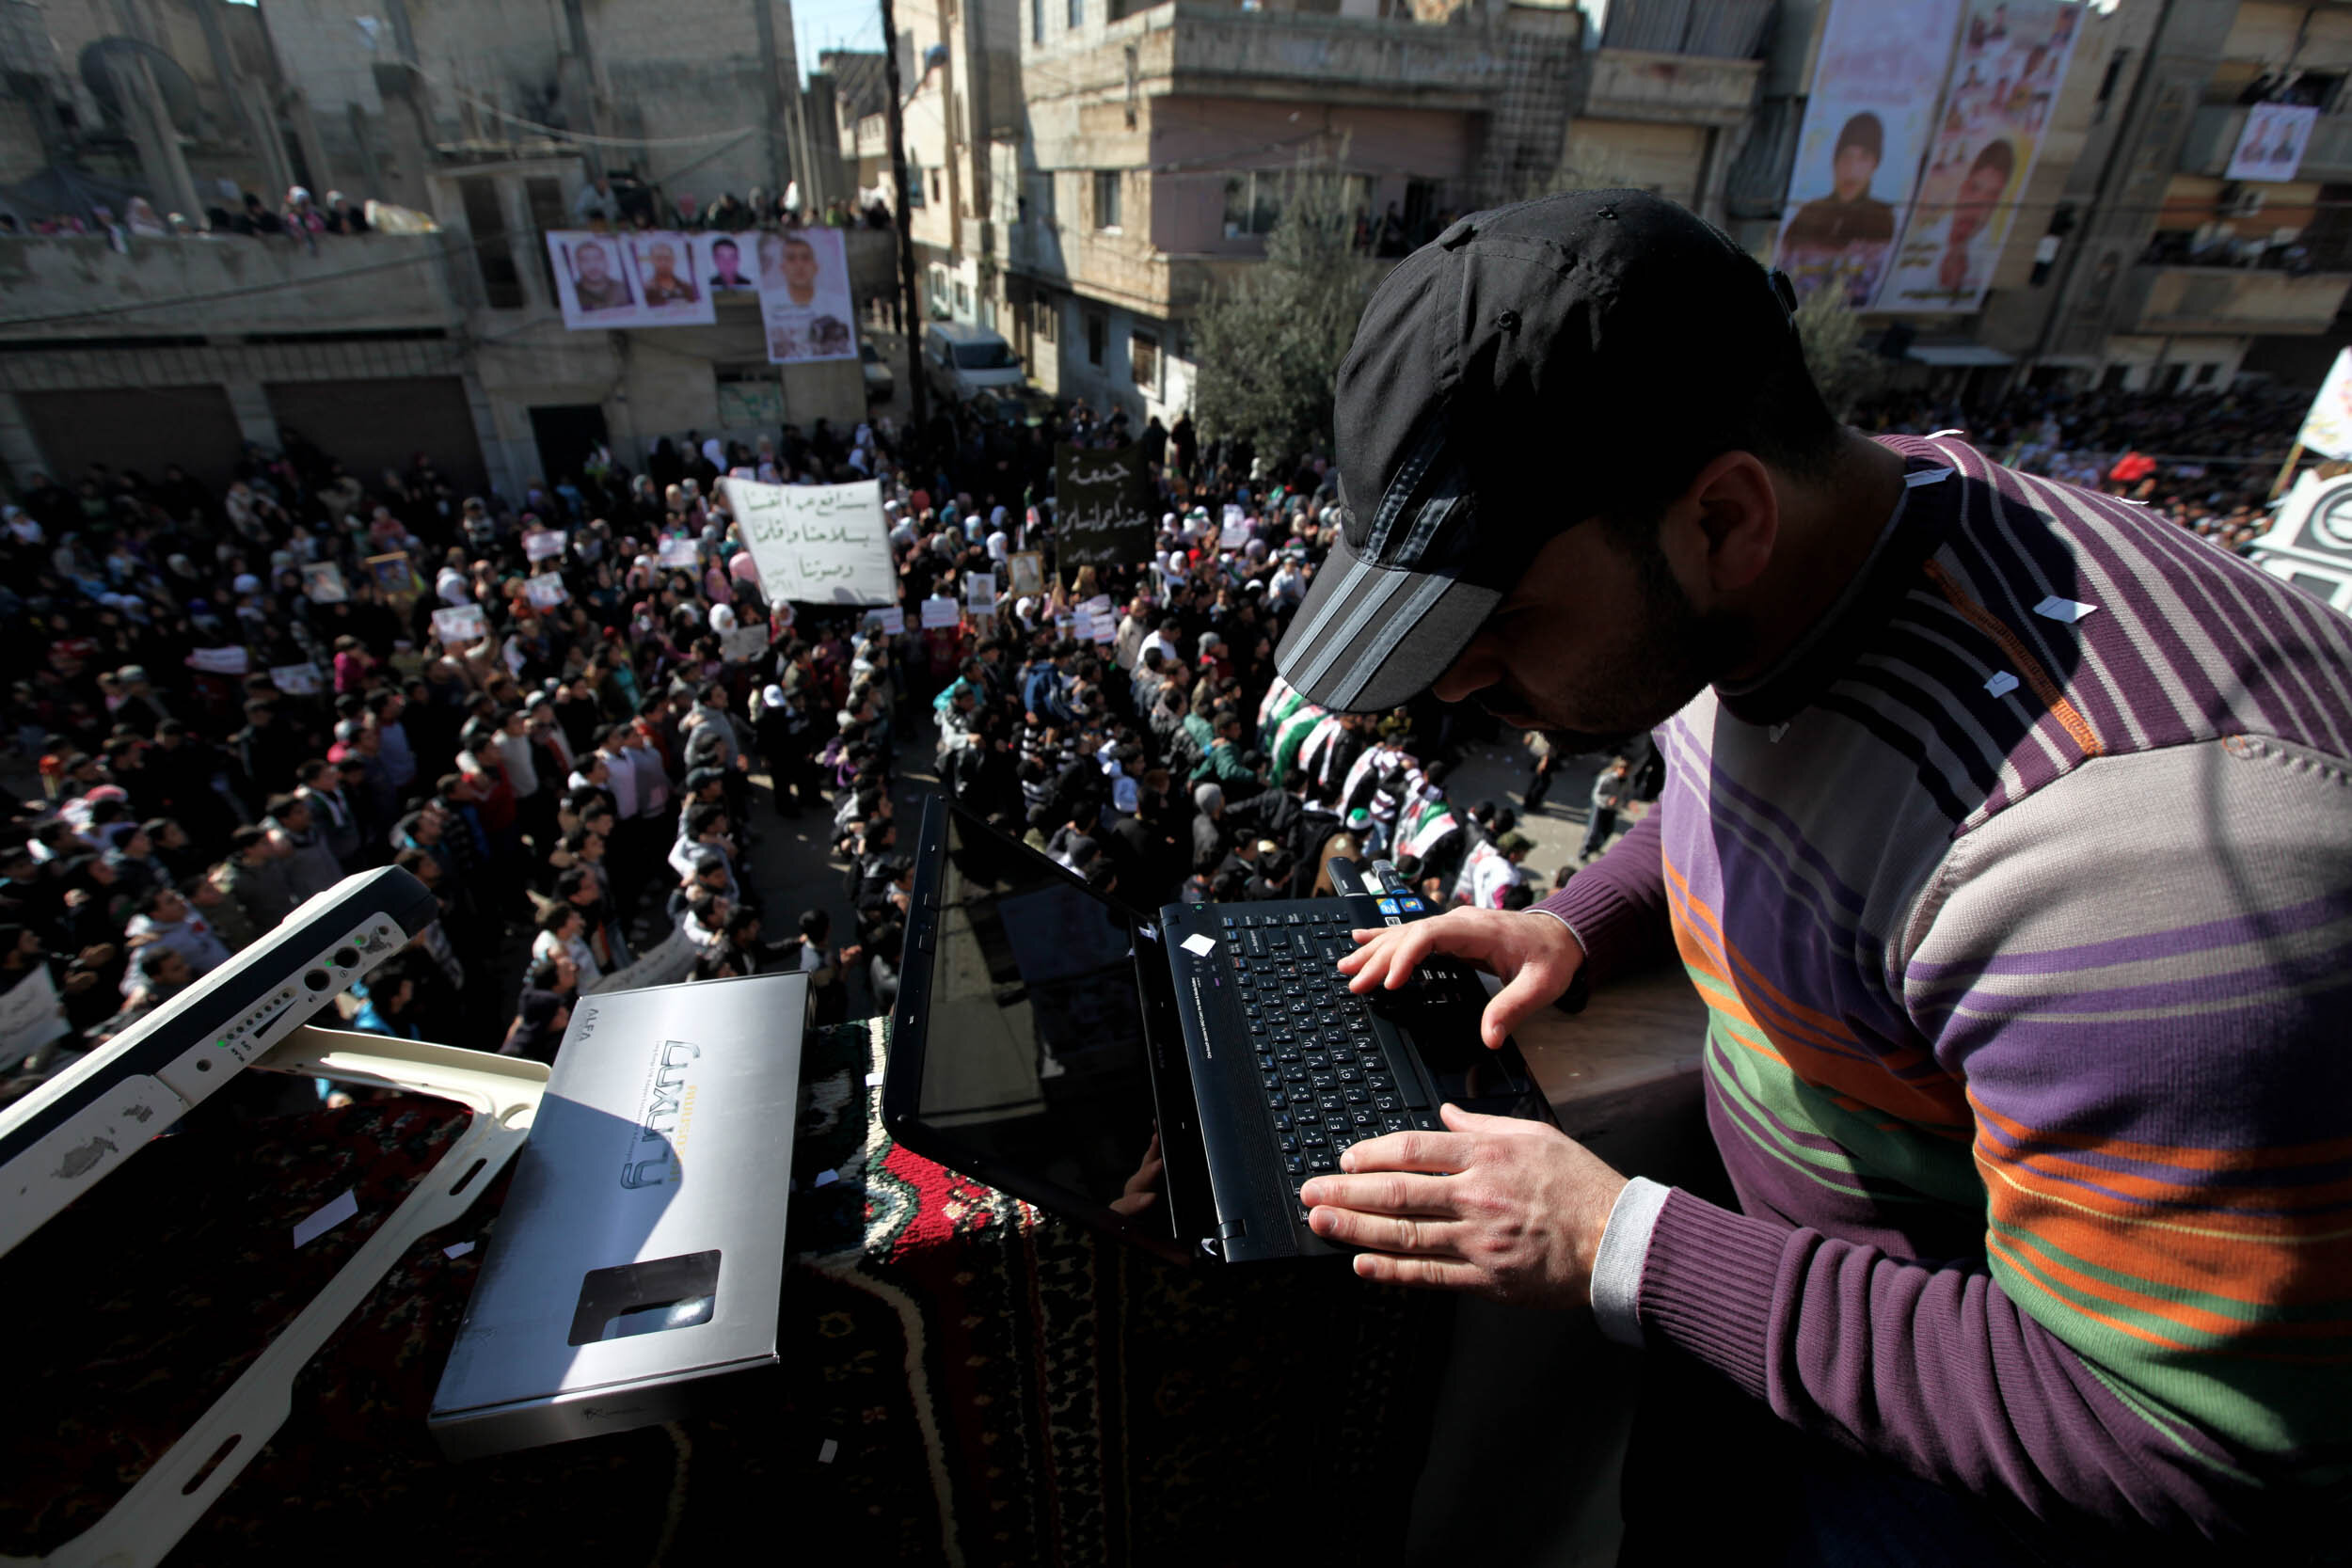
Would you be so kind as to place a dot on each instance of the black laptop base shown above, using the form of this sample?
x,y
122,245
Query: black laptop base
x,y
1290,1068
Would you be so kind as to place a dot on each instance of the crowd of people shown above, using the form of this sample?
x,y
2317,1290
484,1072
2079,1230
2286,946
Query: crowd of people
x,y
238,696
2205,458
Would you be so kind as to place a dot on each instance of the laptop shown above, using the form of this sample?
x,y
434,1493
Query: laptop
x,y
1167,1078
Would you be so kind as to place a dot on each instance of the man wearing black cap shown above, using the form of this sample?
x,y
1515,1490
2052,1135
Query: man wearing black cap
x,y
2025,1078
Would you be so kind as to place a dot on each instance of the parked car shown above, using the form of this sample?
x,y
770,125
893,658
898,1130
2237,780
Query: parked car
x,y
960,361
881,386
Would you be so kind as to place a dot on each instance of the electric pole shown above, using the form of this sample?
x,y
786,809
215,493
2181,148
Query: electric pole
x,y
901,215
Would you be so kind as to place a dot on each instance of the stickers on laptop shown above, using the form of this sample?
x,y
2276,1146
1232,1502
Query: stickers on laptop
x,y
1411,905
1388,905
1200,946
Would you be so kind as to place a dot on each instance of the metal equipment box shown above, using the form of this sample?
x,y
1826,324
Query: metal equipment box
x,y
640,1250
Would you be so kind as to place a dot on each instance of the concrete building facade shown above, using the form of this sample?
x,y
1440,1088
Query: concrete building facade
x,y
488,118
1157,142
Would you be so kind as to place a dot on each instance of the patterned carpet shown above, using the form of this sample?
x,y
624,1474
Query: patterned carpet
x,y
964,1380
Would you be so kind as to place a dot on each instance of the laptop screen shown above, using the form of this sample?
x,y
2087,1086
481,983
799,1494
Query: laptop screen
x,y
1034,1047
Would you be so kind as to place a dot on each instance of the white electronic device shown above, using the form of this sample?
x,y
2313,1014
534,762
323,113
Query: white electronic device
x,y
63,1139
69,1134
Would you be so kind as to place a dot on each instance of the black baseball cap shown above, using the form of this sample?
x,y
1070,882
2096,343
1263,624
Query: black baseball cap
x,y
1529,367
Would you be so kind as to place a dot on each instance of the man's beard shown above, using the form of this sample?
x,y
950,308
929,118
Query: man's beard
x,y
1638,683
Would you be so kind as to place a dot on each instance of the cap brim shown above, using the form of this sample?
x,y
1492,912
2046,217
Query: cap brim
x,y
1370,637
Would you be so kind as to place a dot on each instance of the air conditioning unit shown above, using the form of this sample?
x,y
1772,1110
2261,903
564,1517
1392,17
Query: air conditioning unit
x,y
2239,200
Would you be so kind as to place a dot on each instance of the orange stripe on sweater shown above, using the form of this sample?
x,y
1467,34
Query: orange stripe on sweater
x,y
2327,1151
2188,1315
1995,1249
2198,1167
2029,668
1933,1105
2309,1266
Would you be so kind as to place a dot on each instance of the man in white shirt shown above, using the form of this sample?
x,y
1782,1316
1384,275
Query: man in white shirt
x,y
563,929
513,749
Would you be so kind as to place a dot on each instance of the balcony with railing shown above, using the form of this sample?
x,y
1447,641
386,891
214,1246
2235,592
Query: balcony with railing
x,y
1685,62
1219,52
2238,300
79,287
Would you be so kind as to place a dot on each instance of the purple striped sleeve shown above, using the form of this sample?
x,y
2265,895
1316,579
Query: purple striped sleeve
x,y
1934,1368
1616,907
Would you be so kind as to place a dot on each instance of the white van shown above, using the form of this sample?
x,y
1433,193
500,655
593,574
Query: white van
x,y
960,361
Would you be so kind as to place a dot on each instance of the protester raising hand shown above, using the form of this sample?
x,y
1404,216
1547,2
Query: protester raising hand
x,y
1532,953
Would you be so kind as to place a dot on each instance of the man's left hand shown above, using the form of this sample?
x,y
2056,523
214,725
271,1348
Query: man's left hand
x,y
1504,1208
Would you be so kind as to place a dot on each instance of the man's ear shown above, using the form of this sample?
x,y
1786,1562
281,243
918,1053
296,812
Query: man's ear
x,y
1719,533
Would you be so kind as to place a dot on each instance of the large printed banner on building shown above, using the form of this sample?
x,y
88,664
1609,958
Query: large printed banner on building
x,y
1105,512
2271,146
640,279
2004,82
804,297
1881,66
819,544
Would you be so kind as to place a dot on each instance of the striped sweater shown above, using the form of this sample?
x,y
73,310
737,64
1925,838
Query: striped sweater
x,y
2025,936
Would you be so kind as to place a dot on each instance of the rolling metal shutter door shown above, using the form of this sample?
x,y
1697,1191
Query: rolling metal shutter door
x,y
379,424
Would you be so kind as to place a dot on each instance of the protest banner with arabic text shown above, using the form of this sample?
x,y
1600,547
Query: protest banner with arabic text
x,y
819,544
1105,510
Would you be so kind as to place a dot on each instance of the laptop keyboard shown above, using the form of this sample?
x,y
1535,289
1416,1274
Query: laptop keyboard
x,y
1325,1078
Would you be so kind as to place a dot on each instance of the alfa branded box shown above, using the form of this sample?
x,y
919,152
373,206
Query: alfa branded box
x,y
640,1250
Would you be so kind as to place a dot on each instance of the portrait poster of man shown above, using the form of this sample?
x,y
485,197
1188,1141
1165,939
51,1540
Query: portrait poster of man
x,y
1881,65
2271,146
805,300
593,283
726,267
670,295
2011,59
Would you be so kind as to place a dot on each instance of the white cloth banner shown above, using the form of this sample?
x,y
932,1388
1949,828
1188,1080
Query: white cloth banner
x,y
546,590
2328,428
460,624
819,544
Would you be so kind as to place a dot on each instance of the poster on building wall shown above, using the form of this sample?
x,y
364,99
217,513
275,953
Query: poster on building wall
x,y
819,544
656,278
1880,65
2328,428
2002,88
1105,508
2271,146
592,280
725,270
805,300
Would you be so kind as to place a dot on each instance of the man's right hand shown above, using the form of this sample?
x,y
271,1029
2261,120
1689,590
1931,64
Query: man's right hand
x,y
1533,954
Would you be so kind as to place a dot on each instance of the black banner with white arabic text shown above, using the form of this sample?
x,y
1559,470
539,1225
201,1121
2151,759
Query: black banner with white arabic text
x,y
1105,512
